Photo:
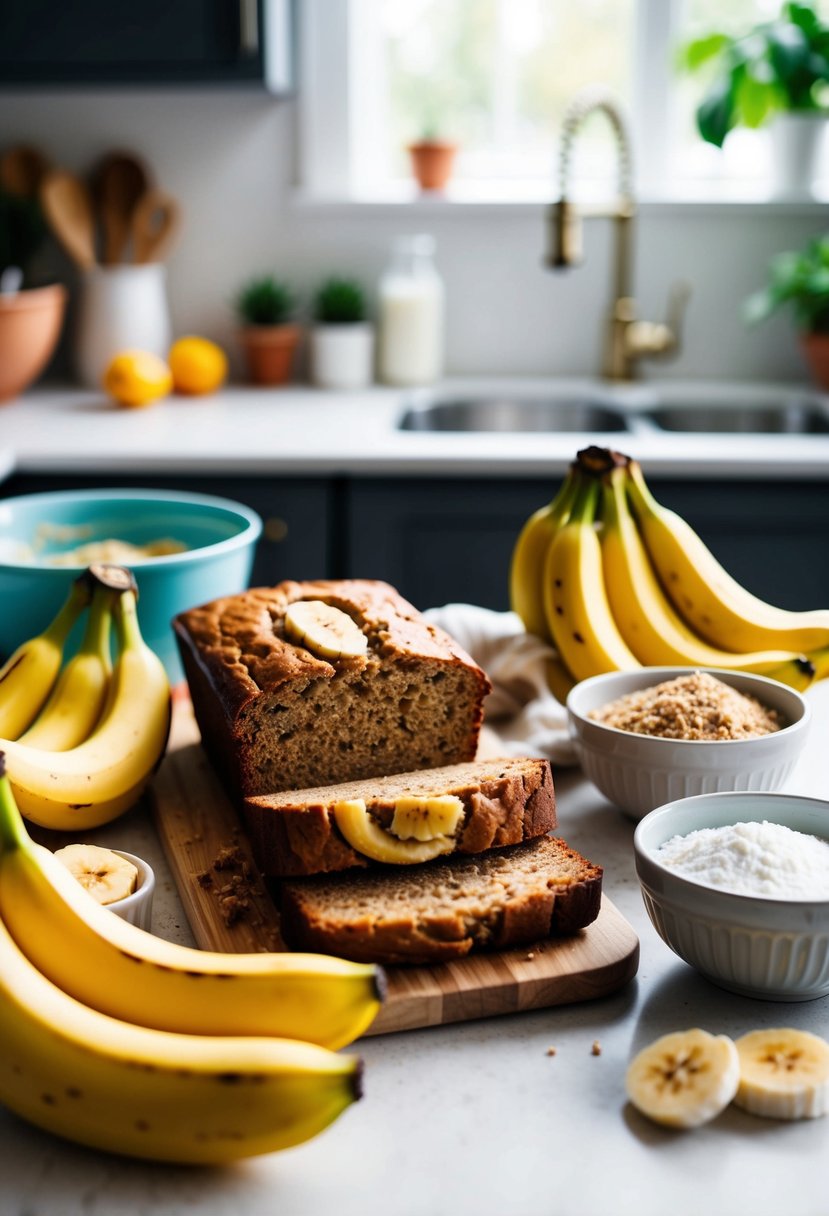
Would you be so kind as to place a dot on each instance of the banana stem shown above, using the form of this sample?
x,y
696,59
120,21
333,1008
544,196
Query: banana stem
x,y
97,633
13,834
126,623
614,502
586,501
562,504
643,500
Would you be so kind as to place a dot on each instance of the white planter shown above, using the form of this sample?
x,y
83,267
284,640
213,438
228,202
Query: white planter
x,y
121,308
342,356
797,142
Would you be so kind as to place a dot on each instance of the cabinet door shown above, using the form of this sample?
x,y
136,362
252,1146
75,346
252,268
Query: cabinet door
x,y
296,535
442,541
154,41
439,541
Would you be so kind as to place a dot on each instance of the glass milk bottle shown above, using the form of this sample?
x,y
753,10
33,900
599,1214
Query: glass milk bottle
x,y
411,314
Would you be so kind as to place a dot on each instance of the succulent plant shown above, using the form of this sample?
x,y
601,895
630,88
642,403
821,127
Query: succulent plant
x,y
340,302
266,301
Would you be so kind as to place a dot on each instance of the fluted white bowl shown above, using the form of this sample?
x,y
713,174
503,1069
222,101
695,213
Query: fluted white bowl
x,y
641,772
774,949
138,907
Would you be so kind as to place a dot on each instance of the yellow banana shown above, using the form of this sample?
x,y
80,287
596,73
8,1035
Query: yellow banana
x,y
100,778
27,677
527,565
575,600
118,969
709,599
77,699
187,1099
648,623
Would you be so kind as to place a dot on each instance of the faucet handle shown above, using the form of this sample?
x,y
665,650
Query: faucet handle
x,y
678,298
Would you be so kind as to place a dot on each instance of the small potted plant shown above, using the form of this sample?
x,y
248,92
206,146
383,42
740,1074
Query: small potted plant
x,y
433,160
269,335
801,279
342,340
776,73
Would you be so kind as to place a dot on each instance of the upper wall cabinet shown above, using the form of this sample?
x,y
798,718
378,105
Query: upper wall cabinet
x,y
98,42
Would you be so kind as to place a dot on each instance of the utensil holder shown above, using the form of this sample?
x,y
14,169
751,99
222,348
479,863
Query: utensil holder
x,y
121,308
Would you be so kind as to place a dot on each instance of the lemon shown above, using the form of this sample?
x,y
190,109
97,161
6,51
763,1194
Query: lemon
x,y
136,377
198,366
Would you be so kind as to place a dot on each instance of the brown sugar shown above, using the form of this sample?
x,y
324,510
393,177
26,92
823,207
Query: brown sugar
x,y
697,706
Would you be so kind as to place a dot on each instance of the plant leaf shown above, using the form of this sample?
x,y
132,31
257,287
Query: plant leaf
x,y
700,50
715,114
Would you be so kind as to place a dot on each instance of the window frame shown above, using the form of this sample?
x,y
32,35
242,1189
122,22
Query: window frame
x,y
337,122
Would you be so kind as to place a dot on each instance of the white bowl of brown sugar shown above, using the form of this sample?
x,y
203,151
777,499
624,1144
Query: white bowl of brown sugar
x,y
656,734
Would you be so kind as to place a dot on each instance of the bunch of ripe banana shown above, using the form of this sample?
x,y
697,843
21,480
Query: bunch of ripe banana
x,y
82,739
122,1041
616,581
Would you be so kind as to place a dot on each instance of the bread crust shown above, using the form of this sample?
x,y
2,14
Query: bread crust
x,y
235,656
505,802
565,899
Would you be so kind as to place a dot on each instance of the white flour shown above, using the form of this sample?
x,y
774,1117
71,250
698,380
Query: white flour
x,y
752,859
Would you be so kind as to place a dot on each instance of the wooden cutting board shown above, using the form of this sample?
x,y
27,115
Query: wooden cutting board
x,y
230,909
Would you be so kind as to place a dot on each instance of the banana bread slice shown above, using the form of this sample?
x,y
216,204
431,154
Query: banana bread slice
x,y
276,714
501,802
446,908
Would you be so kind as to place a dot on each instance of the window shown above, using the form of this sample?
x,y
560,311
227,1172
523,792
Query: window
x,y
495,76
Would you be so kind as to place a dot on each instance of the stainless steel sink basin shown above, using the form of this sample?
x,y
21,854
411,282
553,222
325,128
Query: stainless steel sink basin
x,y
510,414
795,418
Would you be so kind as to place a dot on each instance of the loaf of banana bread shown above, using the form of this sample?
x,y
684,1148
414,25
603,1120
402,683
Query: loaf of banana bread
x,y
403,819
307,684
446,908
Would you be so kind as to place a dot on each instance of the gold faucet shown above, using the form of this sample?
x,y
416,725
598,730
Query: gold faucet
x,y
627,340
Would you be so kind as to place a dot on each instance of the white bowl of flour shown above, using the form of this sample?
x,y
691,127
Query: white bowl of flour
x,y
737,884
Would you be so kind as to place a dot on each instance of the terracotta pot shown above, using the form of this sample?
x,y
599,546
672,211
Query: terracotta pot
x,y
270,351
432,163
30,325
816,351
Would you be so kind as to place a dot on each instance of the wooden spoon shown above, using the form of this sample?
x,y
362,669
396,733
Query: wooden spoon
x,y
22,170
68,208
155,223
118,182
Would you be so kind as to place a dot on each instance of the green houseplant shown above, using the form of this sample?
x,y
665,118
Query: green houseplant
x,y
800,280
342,340
776,73
266,307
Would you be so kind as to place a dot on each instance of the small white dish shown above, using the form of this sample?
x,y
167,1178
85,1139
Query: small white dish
x,y
758,946
641,772
138,907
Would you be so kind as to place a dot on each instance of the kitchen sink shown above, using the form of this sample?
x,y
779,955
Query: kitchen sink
x,y
795,418
510,414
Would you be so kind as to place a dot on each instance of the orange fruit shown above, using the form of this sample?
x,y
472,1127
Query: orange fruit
x,y
136,377
198,365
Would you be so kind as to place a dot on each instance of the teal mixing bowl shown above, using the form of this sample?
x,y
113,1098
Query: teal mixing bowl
x,y
219,537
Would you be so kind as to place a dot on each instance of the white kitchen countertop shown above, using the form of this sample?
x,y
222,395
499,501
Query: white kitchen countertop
x,y
306,431
476,1119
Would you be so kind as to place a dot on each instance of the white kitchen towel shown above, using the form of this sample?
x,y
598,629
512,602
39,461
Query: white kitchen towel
x,y
520,709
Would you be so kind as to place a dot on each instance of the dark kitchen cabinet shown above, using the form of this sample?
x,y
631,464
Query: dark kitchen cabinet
x,y
445,540
296,514
93,42
441,541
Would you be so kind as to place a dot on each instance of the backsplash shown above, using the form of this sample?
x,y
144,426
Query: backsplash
x,y
231,157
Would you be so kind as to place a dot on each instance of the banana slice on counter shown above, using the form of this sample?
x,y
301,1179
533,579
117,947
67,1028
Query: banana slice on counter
x,y
105,875
365,835
784,1074
684,1079
325,630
